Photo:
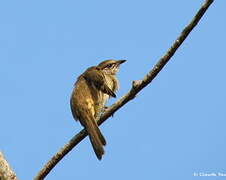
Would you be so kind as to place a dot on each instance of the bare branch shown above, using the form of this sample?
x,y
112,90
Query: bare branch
x,y
136,88
6,173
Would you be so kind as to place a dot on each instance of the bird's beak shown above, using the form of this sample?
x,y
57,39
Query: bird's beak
x,y
121,61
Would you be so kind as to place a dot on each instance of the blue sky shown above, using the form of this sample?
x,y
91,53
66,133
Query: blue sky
x,y
174,128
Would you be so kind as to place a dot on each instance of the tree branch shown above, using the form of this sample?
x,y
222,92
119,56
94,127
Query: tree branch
x,y
136,88
6,173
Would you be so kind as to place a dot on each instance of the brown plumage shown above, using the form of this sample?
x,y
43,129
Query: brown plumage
x,y
90,94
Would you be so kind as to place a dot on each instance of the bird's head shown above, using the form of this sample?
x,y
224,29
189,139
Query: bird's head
x,y
110,66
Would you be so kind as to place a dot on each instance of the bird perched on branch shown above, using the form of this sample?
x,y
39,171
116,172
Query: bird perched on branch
x,y
91,91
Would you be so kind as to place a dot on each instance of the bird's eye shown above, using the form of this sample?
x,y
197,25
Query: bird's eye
x,y
109,66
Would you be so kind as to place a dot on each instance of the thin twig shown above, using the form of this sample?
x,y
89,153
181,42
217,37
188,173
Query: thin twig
x,y
136,88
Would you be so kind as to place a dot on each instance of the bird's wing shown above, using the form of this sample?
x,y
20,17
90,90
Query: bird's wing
x,y
96,77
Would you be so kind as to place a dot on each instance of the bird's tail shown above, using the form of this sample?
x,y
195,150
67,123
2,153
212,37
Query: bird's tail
x,y
96,138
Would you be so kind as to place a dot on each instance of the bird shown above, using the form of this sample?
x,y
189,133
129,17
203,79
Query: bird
x,y
88,100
